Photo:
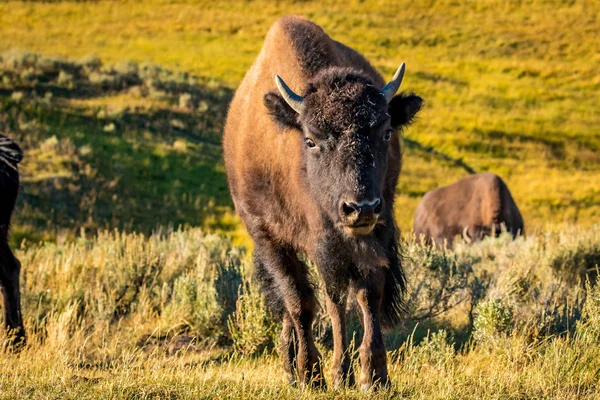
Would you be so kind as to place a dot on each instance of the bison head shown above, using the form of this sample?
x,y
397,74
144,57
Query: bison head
x,y
347,126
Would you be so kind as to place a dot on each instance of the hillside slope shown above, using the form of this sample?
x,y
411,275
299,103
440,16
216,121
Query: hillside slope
x,y
509,87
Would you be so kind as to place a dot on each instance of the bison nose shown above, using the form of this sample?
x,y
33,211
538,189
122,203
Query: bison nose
x,y
359,213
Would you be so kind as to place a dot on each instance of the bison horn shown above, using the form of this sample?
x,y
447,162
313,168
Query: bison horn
x,y
389,90
466,236
293,100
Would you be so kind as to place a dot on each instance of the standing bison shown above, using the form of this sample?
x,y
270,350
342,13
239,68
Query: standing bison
x,y
474,207
312,163
10,156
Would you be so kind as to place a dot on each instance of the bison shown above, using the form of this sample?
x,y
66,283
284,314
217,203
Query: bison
x,y
10,156
312,156
475,207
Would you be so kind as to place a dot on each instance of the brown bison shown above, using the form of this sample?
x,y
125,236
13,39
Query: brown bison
x,y
312,163
474,207
10,156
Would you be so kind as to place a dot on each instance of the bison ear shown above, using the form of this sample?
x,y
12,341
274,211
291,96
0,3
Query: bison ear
x,y
403,109
281,113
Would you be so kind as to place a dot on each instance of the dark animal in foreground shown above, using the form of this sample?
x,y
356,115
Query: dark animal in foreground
x,y
475,207
10,156
314,173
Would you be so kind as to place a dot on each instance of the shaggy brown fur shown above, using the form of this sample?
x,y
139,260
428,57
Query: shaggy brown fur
x,y
477,206
10,156
320,183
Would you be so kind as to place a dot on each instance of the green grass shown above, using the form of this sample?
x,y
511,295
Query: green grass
x,y
509,87
113,149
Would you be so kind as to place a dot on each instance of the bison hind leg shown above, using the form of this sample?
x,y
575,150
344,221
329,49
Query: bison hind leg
x,y
268,288
286,284
288,344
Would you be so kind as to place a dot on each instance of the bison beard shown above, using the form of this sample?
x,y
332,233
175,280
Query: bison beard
x,y
10,156
315,174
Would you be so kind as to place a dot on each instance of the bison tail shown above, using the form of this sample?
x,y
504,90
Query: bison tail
x,y
393,304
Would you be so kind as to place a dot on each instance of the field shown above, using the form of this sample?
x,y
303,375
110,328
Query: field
x,y
136,278
175,316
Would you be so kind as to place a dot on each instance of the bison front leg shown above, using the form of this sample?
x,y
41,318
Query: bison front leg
x,y
310,370
10,269
342,372
372,350
291,281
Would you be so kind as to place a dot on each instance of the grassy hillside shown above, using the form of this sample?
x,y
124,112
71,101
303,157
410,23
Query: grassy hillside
x,y
132,147
136,278
510,87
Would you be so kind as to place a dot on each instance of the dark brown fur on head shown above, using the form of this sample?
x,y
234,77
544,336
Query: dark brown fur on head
x,y
339,100
346,117
342,100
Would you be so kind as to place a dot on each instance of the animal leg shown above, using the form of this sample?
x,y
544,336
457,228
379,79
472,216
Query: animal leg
x,y
372,350
342,372
10,269
288,346
291,280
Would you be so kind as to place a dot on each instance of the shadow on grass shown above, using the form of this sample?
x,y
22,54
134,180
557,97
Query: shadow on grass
x,y
134,171
430,150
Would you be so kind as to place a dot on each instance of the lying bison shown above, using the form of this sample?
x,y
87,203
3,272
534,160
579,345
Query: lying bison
x,y
478,206
10,156
312,163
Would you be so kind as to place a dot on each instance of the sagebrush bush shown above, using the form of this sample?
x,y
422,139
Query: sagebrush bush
x,y
575,258
494,319
166,281
438,280
193,308
434,350
251,327
107,300
588,329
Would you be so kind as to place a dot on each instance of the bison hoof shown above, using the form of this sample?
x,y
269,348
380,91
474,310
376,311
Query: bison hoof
x,y
365,387
16,340
341,381
376,384
291,379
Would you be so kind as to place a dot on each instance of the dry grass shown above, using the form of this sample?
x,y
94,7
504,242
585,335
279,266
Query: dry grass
x,y
175,315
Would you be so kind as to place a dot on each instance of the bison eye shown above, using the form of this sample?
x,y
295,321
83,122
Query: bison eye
x,y
387,136
310,143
